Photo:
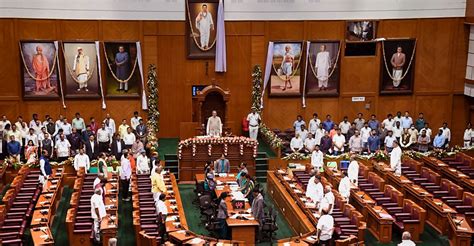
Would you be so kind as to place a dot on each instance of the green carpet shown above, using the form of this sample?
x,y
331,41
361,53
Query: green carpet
x,y
429,237
194,222
264,147
58,228
167,146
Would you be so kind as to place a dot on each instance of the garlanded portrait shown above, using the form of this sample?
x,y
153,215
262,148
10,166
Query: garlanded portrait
x,y
39,68
201,29
123,72
286,73
81,69
322,77
362,30
397,66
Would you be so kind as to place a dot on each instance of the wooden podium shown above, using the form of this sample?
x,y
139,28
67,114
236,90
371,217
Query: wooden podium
x,y
193,157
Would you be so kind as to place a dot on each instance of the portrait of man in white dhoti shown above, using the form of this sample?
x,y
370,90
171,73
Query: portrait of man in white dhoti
x,y
204,25
397,61
287,67
80,68
323,63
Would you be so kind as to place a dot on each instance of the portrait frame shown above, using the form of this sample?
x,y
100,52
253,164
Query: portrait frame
x,y
70,84
354,30
51,85
195,49
297,70
131,74
312,89
387,84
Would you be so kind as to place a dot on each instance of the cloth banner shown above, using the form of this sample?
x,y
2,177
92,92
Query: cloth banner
x,y
268,70
308,43
97,51
140,68
56,45
220,61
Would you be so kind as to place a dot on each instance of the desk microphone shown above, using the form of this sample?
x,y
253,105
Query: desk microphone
x,y
459,222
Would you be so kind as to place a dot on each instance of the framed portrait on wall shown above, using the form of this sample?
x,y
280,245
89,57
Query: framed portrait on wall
x,y
201,28
285,76
39,70
122,75
81,70
323,68
360,30
397,67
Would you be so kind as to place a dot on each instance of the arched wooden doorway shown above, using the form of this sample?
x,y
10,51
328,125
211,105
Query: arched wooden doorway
x,y
210,98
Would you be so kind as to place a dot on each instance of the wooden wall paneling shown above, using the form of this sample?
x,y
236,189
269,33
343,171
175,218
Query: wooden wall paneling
x,y
434,55
392,104
359,74
332,30
77,30
121,30
461,116
10,108
436,109
458,68
397,28
9,71
350,109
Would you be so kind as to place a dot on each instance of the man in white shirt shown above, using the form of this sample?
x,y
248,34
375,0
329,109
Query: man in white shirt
x,y
4,122
110,124
59,122
309,143
319,134
397,131
407,121
97,180
104,138
317,158
315,190
314,124
298,123
214,125
328,200
389,139
353,171
303,133
31,136
427,129
67,128
325,228
98,212
82,160
355,143
125,174
338,141
365,134
468,135
345,125
398,118
161,207
296,144
129,138
123,128
446,133
359,121
63,148
143,163
345,186
33,121
135,120
253,118
389,123
396,159
406,240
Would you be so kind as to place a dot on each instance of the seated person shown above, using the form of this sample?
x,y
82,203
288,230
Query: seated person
x,y
296,144
210,183
309,143
222,165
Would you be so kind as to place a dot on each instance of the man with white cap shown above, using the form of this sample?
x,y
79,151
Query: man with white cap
x,y
80,68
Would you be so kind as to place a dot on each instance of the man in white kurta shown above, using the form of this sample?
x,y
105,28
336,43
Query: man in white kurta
x,y
204,24
396,159
328,200
296,143
345,187
142,163
468,135
82,160
315,191
323,62
98,212
317,158
353,171
253,119
309,143
81,69
214,125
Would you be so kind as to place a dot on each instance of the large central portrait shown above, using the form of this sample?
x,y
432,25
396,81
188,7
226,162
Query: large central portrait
x,y
285,77
323,68
201,28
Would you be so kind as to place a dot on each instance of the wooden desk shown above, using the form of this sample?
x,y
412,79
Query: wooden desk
x,y
459,231
361,200
242,230
42,236
417,194
437,214
380,227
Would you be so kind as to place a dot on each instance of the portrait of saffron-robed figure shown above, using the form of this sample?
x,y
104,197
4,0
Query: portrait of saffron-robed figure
x,y
81,69
322,76
123,73
397,66
286,69
39,68
201,30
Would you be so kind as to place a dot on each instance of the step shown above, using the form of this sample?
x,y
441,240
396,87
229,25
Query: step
x,y
169,157
261,179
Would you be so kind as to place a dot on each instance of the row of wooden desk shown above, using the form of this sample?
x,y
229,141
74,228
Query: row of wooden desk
x,y
451,173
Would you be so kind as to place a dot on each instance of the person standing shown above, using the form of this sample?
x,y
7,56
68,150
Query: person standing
x,y
420,122
45,167
345,125
63,148
92,148
135,120
323,63
446,134
296,144
78,122
397,61
129,138
222,215
257,206
353,171
328,200
396,159
253,118
317,158
406,239
359,121
468,136
287,66
423,141
373,143
325,228
355,143
157,183
98,212
125,173
141,131
142,163
81,160
407,121
328,124
204,24
314,124
315,190
40,65
110,124
389,122
123,128
80,67
122,70
338,141
222,165
214,125
103,137
439,141
117,147
345,186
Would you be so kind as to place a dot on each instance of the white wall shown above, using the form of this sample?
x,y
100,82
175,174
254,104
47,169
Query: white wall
x,y
235,9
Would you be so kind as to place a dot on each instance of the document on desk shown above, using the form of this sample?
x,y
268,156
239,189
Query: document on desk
x,y
237,195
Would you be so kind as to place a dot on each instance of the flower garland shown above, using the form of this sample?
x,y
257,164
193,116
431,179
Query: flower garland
x,y
153,112
296,156
257,88
270,137
225,141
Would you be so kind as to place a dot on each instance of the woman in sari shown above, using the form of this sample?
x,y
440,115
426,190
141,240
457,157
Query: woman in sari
x,y
31,152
